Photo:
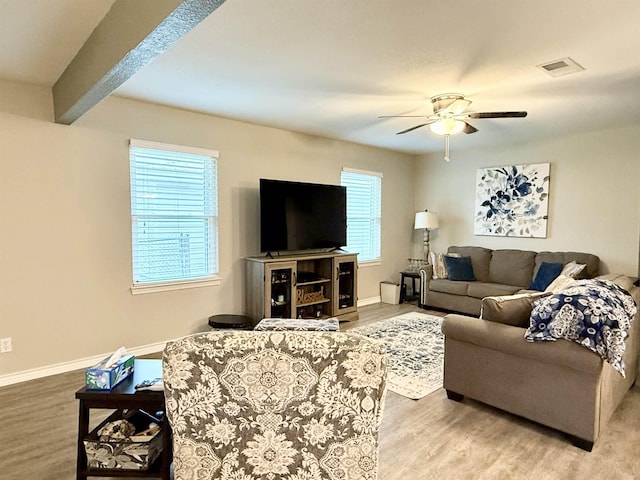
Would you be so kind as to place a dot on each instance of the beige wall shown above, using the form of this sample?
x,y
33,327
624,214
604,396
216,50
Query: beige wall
x,y
65,248
594,200
64,215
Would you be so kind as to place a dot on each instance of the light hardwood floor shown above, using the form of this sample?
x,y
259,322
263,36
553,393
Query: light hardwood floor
x,y
431,438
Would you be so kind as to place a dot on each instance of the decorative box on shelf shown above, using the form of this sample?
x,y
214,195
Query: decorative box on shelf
x,y
104,377
136,451
310,297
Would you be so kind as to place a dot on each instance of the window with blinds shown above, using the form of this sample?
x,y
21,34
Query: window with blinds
x,y
364,213
174,213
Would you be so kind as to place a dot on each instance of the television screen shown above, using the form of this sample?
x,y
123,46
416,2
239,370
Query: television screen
x,y
301,216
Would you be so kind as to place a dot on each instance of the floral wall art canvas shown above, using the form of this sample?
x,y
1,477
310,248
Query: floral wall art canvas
x,y
512,201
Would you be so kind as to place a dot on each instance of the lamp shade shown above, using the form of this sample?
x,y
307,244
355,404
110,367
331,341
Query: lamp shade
x,y
428,220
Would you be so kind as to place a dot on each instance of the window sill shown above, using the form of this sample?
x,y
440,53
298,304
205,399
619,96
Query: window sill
x,y
138,289
370,263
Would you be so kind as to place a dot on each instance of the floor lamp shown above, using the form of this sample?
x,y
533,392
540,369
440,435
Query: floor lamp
x,y
428,221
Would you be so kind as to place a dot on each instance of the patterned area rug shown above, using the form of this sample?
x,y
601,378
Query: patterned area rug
x,y
416,352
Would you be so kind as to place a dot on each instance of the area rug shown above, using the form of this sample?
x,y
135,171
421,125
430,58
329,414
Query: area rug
x,y
416,352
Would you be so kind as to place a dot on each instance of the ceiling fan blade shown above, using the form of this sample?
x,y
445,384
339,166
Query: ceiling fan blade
x,y
497,114
468,128
413,128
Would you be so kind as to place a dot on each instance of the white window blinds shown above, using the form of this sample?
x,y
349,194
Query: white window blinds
x,y
364,207
174,213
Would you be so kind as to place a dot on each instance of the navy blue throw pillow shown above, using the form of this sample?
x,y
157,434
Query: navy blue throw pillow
x,y
547,273
459,269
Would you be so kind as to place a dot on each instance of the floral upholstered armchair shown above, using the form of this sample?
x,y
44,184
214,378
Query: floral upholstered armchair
x,y
275,405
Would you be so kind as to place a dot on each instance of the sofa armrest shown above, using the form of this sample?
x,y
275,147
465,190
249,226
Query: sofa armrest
x,y
426,273
510,340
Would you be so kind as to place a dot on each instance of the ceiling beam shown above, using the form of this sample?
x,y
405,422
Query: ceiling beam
x,y
131,35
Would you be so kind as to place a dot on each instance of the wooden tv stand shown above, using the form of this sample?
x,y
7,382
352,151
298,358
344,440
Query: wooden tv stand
x,y
318,285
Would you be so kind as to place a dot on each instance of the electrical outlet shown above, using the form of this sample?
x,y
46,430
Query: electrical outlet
x,y
5,345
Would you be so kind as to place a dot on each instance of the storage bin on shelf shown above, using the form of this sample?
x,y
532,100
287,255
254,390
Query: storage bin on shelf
x,y
135,452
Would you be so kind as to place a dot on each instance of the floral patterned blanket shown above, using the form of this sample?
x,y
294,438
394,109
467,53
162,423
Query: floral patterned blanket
x,y
596,314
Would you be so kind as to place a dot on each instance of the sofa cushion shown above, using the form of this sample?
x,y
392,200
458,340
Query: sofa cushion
x,y
592,262
547,273
511,309
459,269
621,280
449,286
480,258
485,289
512,267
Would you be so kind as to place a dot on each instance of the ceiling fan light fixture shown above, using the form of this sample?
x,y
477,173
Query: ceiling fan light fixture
x,y
442,102
447,126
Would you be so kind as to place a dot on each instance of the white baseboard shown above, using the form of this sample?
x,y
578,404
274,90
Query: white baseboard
x,y
25,375
368,301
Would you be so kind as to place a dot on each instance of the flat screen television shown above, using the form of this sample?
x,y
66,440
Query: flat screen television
x,y
302,216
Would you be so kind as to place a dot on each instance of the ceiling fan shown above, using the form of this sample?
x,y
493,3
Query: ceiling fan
x,y
449,117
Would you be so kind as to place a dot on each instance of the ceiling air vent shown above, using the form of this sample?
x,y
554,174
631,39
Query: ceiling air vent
x,y
564,66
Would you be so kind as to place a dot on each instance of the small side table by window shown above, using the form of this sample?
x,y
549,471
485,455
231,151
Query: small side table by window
x,y
415,295
124,395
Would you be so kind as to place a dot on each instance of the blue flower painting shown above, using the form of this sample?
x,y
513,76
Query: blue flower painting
x,y
512,201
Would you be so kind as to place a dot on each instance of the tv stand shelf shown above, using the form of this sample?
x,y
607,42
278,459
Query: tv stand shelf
x,y
315,285
314,282
306,304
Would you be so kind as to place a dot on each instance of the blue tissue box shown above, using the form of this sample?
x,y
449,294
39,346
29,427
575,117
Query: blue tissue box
x,y
99,377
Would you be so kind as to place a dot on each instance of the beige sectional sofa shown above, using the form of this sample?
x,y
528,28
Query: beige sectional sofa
x,y
559,384
497,272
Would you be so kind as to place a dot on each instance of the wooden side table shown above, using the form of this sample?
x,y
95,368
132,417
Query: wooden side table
x,y
123,396
413,276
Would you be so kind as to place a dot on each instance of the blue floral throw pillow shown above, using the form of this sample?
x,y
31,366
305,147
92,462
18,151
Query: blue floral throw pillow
x,y
459,269
547,273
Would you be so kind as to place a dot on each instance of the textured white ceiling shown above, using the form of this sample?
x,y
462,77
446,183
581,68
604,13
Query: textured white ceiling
x,y
331,67
38,38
